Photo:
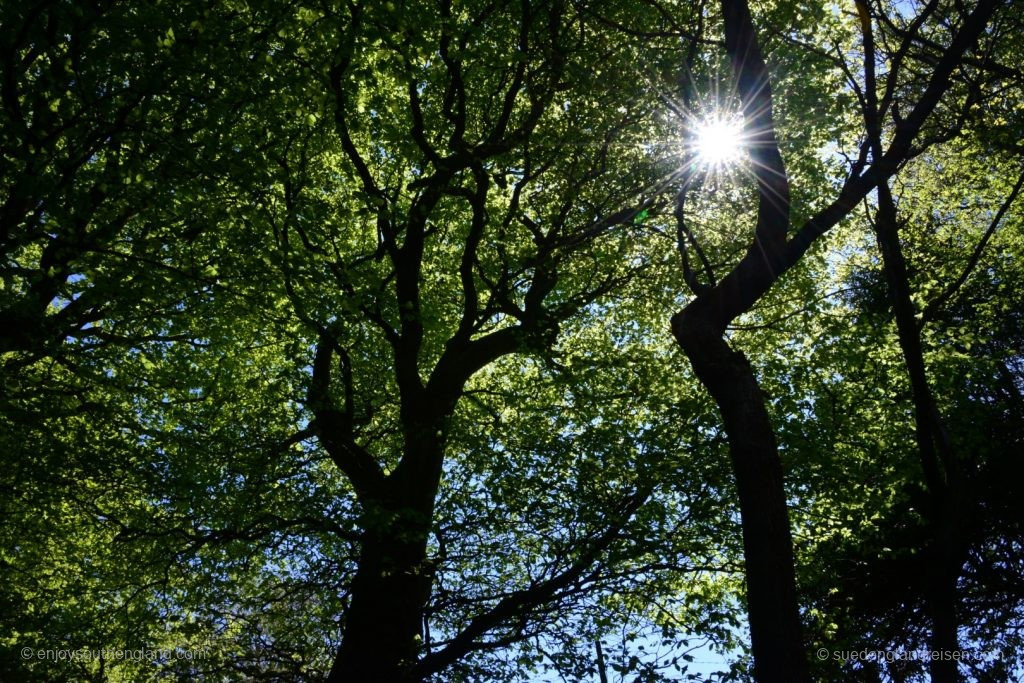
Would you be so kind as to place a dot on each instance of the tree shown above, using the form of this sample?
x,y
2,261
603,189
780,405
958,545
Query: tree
x,y
774,615
384,211
880,568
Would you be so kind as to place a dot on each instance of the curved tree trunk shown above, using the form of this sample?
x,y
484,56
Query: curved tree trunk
x,y
772,606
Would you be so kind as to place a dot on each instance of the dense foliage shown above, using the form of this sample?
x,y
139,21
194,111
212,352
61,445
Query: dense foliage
x,y
415,341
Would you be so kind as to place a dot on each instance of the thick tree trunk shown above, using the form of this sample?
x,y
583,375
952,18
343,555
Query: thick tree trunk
x,y
384,621
382,637
772,607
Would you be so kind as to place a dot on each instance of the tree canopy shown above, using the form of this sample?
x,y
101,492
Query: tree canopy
x,y
511,341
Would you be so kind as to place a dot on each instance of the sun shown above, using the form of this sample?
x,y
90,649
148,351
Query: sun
x,y
718,141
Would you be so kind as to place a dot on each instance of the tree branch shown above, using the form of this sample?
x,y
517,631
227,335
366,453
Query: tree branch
x,y
933,306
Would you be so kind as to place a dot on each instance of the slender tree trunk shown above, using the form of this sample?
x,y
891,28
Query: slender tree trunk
x,y
935,451
699,328
772,607
942,601
602,667
775,630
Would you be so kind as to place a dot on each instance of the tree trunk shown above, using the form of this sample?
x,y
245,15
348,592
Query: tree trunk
x,y
382,636
942,606
383,623
772,608
938,461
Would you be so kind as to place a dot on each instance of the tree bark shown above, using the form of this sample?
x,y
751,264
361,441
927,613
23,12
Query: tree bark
x,y
772,608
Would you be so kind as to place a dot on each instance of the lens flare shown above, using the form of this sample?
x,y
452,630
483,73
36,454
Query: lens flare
x,y
718,141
